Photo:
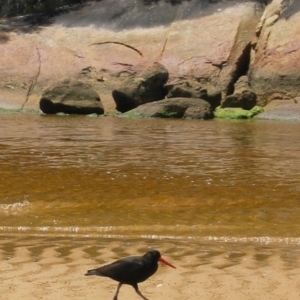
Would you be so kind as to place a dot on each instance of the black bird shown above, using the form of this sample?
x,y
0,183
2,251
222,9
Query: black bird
x,y
131,270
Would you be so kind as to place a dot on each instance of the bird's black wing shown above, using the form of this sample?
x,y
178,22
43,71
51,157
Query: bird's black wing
x,y
127,270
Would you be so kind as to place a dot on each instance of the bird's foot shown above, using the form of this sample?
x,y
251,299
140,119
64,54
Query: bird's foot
x,y
140,294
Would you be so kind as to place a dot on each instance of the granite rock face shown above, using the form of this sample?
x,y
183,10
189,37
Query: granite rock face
x,y
107,43
275,59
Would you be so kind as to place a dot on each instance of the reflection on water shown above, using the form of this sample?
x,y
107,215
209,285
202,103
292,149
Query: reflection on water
x,y
203,182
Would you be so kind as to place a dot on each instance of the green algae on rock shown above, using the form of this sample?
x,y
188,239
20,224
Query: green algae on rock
x,y
237,113
9,110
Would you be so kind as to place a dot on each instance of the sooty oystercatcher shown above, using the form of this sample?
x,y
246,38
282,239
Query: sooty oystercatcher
x,y
131,270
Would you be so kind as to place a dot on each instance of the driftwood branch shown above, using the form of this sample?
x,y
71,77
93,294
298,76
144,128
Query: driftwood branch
x,y
119,43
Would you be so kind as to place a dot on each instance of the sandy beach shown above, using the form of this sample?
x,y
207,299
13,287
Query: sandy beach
x,y
222,275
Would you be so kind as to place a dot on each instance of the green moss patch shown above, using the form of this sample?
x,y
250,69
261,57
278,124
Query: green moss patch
x,y
9,111
237,113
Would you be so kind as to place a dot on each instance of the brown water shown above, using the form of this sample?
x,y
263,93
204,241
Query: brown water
x,y
189,185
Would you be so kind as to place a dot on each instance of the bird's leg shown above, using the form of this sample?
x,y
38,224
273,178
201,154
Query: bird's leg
x,y
135,286
117,291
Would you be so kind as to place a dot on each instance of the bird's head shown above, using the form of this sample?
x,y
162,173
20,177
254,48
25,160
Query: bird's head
x,y
155,255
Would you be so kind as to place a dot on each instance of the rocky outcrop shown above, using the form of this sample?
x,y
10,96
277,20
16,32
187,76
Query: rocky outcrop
x,y
243,97
71,97
102,42
141,88
275,59
205,45
185,108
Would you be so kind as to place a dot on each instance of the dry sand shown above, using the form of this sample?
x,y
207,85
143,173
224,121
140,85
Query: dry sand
x,y
55,276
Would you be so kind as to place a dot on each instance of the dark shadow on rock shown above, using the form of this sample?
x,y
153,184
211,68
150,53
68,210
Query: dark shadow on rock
x,y
172,2
26,23
119,15
290,8
12,8
4,36
50,108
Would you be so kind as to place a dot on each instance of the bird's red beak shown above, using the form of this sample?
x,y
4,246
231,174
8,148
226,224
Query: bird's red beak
x,y
165,262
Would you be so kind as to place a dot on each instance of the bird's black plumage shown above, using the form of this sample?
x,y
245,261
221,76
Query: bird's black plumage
x,y
131,270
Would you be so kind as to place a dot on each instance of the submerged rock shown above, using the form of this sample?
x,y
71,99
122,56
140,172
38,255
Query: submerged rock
x,y
187,108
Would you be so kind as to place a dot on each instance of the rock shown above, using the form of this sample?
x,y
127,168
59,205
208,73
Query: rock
x,y
243,97
242,84
275,61
101,44
245,100
194,89
284,110
237,113
275,96
283,114
71,97
280,103
141,88
187,108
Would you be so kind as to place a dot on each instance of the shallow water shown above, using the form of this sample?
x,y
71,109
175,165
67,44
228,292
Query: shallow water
x,y
172,184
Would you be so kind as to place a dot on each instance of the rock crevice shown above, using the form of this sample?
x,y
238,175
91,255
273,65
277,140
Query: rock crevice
x,y
34,79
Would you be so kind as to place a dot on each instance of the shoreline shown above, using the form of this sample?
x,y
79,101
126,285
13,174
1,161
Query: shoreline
x,y
284,112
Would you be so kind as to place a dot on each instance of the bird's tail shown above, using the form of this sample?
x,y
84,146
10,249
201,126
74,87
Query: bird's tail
x,y
91,272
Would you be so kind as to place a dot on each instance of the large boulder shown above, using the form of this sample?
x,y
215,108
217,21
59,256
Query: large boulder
x,y
186,108
71,97
141,88
275,60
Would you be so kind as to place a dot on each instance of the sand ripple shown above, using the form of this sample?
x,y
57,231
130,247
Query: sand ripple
x,y
49,268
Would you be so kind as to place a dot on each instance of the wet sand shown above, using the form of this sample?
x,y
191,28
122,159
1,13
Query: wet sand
x,y
223,276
